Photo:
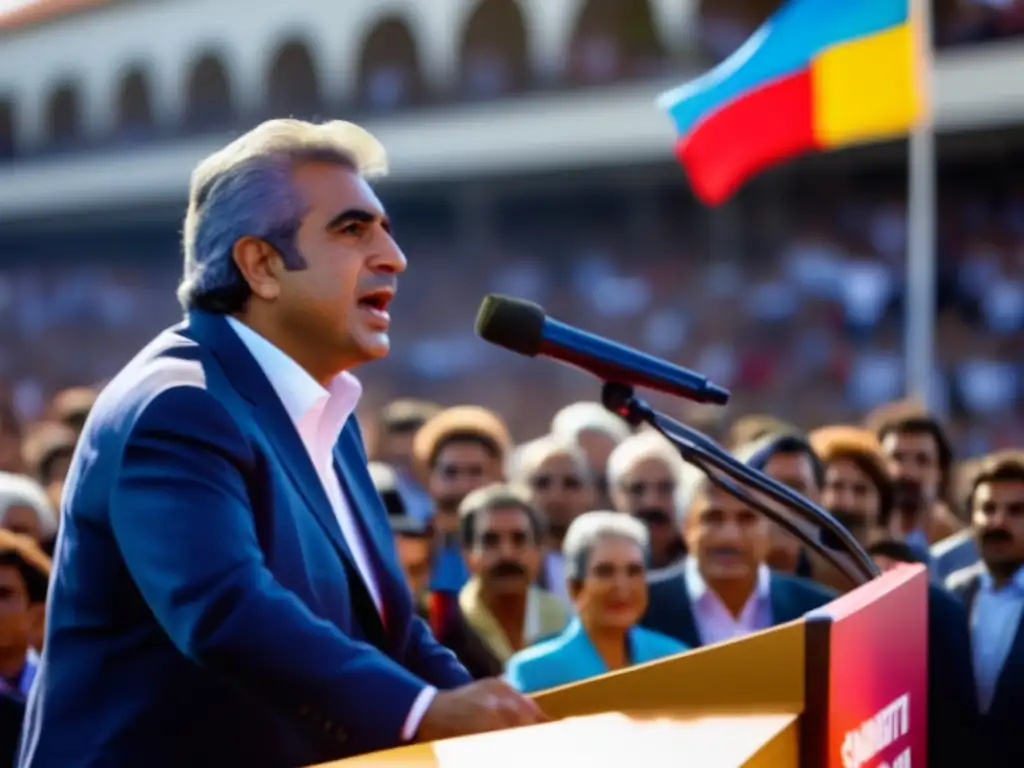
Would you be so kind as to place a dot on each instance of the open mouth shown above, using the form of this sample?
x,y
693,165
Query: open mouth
x,y
377,302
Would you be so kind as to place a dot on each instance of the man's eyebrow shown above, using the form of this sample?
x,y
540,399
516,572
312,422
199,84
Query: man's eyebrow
x,y
358,215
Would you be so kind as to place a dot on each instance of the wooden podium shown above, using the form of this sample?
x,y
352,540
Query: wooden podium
x,y
800,694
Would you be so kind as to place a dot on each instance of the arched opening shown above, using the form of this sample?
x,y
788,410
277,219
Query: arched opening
x,y
292,88
208,96
63,117
726,24
7,144
493,52
389,69
134,105
614,40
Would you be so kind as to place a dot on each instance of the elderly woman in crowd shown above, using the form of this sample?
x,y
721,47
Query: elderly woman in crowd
x,y
25,508
605,556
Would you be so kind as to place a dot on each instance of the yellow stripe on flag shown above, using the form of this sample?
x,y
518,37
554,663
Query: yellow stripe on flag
x,y
867,89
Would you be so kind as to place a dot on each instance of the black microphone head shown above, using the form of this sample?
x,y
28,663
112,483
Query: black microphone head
x,y
514,324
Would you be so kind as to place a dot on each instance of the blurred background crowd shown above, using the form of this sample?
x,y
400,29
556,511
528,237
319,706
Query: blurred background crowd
x,y
791,295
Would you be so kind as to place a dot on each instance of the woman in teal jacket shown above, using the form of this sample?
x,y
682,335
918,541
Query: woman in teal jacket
x,y
605,555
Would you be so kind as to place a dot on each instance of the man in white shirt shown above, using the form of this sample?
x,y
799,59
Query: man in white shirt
x,y
227,591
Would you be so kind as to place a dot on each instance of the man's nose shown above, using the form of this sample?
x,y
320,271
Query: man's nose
x,y
509,550
391,258
729,532
997,520
649,498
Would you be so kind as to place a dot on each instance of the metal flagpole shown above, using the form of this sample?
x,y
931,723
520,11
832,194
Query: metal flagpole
x,y
919,347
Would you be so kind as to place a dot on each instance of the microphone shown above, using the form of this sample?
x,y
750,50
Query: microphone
x,y
523,327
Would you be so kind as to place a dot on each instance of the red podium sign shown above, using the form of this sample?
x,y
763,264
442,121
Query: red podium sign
x,y
867,676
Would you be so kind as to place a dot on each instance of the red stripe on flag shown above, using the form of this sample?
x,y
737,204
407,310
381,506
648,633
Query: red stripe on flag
x,y
766,126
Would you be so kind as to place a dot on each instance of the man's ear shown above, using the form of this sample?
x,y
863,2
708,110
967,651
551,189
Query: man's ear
x,y
260,264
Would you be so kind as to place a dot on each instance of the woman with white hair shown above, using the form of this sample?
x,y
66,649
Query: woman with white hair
x,y
605,553
25,508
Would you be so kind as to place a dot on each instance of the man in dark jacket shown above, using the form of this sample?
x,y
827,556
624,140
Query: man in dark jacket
x,y
724,589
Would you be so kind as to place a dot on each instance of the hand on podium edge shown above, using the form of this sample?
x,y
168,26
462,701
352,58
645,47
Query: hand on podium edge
x,y
486,705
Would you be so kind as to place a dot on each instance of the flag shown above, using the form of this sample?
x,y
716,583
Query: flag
x,y
818,75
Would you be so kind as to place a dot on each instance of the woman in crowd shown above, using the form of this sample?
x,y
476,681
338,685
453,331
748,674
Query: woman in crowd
x,y
605,555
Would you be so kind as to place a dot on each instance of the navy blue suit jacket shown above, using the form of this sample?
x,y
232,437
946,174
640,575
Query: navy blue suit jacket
x,y
205,609
952,697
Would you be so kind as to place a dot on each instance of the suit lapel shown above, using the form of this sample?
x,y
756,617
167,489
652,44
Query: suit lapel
x,y
687,624
781,602
1012,672
376,538
358,501
251,382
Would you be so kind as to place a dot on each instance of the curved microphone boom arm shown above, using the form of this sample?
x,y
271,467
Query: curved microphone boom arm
x,y
728,473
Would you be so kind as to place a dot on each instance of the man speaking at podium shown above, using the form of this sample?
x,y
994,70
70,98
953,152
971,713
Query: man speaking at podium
x,y
225,591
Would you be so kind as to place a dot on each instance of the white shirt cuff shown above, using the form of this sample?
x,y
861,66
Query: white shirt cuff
x,y
417,711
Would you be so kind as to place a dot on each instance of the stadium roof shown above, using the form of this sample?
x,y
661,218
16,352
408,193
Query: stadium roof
x,y
17,14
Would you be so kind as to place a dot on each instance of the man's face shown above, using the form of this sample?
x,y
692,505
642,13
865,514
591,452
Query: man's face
x,y
913,462
852,498
17,615
597,446
648,492
341,296
505,553
559,490
796,471
461,467
414,558
22,519
997,512
396,448
728,539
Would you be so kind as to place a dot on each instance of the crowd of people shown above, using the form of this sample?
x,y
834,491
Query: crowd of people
x,y
595,546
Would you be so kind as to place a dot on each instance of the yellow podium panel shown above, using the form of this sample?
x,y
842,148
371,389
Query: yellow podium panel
x,y
762,672
614,740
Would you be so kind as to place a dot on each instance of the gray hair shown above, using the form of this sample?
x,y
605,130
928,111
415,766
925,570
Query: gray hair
x,y
590,528
586,416
648,445
496,496
23,491
528,457
246,189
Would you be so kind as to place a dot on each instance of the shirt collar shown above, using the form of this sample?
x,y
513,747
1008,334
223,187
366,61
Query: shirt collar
x,y
1016,583
697,587
299,392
